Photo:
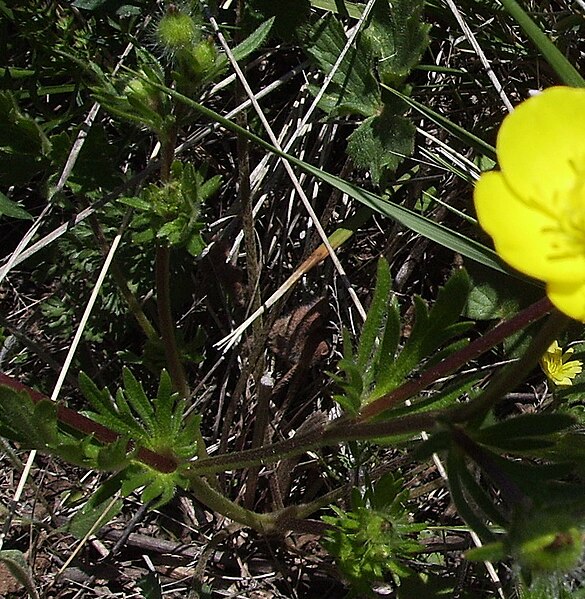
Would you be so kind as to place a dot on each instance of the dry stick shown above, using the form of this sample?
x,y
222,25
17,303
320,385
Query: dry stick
x,y
233,338
243,150
261,420
335,240
482,57
287,166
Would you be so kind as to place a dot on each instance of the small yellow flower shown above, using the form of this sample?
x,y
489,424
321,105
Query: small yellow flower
x,y
534,207
558,368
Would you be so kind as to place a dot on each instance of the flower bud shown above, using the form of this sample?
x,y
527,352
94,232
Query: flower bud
x,y
177,30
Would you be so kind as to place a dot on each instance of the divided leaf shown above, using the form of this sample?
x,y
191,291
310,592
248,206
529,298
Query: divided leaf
x,y
375,368
33,425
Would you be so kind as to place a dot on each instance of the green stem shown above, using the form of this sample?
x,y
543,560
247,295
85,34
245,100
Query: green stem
x,y
341,430
278,521
162,278
217,502
122,282
165,321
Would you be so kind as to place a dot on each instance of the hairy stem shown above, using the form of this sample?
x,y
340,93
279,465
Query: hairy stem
x,y
340,430
162,278
165,320
122,282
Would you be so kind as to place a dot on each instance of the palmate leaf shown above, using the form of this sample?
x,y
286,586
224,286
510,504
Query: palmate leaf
x,y
157,424
158,488
374,369
113,414
136,397
431,330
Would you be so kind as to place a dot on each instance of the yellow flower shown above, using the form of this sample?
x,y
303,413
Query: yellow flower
x,y
534,207
558,368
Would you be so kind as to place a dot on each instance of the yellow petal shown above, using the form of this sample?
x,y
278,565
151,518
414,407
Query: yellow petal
x,y
524,236
541,145
569,298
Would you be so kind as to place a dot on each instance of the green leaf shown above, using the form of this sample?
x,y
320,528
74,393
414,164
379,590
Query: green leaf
x,y
156,485
138,400
455,466
114,414
344,7
16,563
99,400
389,344
431,329
163,407
209,188
151,586
490,552
353,89
113,456
439,400
32,425
10,208
287,16
524,426
376,316
89,4
399,38
494,295
381,142
440,234
254,40
457,131
98,510
135,202
24,147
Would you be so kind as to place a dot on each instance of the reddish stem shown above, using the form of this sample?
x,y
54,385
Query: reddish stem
x,y
450,364
89,427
